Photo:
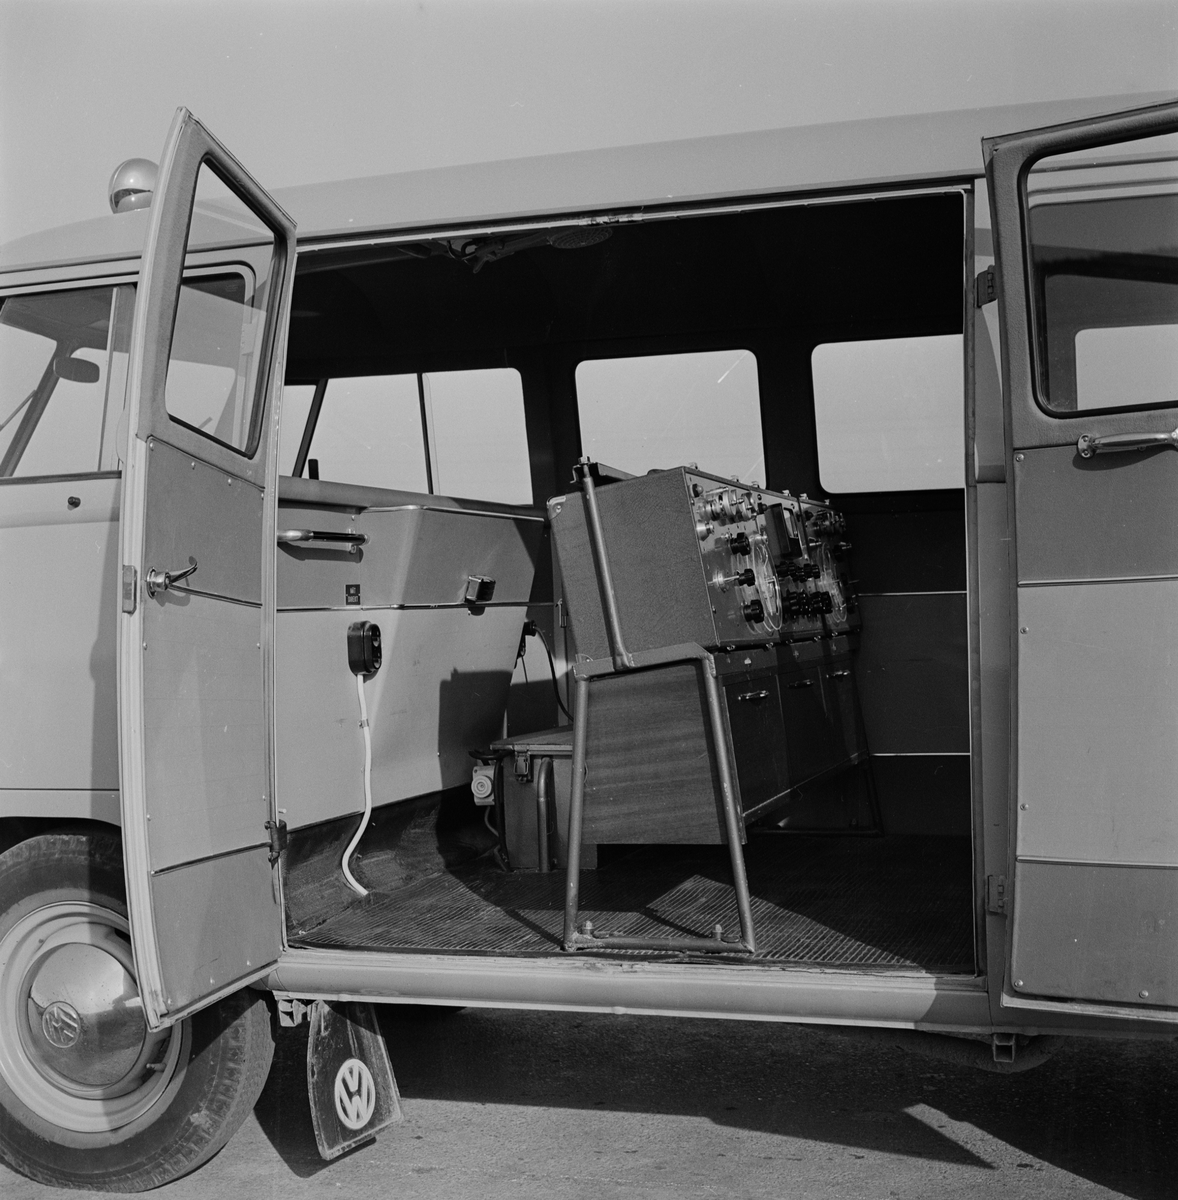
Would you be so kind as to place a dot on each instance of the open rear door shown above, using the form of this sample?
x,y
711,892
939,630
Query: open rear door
x,y
1086,225
196,626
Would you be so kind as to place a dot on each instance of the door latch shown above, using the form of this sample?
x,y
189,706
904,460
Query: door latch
x,y
130,588
996,894
160,581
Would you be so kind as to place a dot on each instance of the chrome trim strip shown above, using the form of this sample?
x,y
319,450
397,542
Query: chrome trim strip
x,y
1030,583
404,607
438,508
1094,862
921,753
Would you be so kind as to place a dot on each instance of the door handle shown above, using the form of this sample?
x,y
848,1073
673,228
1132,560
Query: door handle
x,y
160,581
754,697
838,674
801,683
1088,446
288,537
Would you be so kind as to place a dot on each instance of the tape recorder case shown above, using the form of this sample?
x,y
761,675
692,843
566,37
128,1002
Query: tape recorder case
x,y
695,557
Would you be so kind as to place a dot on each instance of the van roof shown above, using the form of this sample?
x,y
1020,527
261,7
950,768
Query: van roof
x,y
882,151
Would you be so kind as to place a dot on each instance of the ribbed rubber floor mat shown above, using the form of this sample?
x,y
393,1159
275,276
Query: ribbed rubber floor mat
x,y
870,902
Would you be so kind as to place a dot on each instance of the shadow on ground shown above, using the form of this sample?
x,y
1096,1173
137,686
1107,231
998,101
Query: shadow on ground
x,y
1104,1111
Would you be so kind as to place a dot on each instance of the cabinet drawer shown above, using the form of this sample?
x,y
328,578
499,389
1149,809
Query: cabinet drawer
x,y
758,740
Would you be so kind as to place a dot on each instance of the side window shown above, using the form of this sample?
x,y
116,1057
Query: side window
x,y
477,440
61,380
296,408
456,433
369,433
1104,276
665,410
890,414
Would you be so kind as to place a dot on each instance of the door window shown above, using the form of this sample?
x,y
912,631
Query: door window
x,y
213,384
667,410
61,380
1103,240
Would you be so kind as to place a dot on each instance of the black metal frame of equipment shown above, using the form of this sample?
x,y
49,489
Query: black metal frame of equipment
x,y
623,661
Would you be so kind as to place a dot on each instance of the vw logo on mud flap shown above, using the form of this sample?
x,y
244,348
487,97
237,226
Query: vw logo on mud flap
x,y
355,1094
61,1024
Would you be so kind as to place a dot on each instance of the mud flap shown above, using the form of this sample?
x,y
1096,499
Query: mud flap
x,y
349,1078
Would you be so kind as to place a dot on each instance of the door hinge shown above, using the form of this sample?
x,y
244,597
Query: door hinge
x,y
130,587
985,287
996,894
278,839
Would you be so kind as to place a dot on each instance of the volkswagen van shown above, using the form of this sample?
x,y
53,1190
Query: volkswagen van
x,y
733,577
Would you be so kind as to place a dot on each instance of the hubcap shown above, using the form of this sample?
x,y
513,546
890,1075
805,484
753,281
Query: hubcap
x,y
74,1044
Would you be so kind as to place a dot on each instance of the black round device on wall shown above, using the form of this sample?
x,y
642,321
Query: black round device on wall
x,y
364,654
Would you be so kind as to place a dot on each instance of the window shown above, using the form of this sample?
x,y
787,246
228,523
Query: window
x,y
890,414
296,408
455,433
369,433
666,410
477,439
1104,267
217,359
56,360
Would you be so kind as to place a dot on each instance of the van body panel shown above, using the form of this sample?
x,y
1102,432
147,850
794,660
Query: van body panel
x,y
1128,500
57,639
1097,699
441,692
655,989
839,155
196,680
1093,857
1094,860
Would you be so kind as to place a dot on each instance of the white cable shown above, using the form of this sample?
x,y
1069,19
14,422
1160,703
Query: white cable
x,y
359,888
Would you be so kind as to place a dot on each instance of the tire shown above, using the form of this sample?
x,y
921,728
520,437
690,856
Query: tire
x,y
130,1111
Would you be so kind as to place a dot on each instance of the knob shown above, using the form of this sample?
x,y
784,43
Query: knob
x,y
745,578
739,543
754,612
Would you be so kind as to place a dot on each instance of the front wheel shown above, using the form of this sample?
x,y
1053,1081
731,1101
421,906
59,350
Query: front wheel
x,y
89,1097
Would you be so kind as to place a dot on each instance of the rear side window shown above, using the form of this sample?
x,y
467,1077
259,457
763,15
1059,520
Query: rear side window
x,y
667,410
62,378
890,414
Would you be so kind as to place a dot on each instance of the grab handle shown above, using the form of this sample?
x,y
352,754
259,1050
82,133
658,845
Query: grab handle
x,y
1088,446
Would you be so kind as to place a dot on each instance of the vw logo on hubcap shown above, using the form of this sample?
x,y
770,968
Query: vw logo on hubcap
x,y
61,1024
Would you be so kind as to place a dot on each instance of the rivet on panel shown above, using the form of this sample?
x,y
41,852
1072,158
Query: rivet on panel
x,y
1024,807
1144,994
193,465
1024,629
1018,458
1018,983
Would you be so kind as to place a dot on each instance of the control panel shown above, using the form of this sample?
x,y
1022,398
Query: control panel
x,y
695,557
775,564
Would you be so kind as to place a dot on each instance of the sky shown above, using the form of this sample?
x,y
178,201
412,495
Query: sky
x,y
305,91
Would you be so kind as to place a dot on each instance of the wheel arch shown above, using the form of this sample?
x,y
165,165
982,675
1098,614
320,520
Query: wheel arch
x,y
17,829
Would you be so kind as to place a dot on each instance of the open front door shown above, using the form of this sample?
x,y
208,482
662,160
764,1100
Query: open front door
x,y
196,626
1086,225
